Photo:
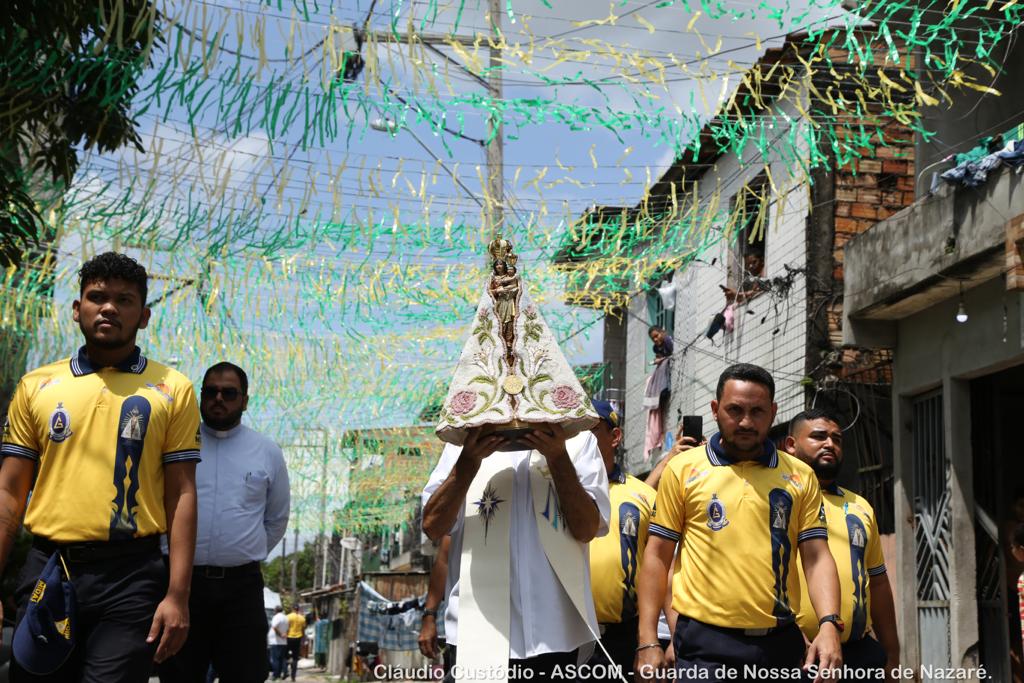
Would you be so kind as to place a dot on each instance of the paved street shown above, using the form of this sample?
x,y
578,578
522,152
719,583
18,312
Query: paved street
x,y
306,673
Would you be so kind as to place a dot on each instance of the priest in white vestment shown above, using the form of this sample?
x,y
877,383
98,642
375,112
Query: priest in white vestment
x,y
521,488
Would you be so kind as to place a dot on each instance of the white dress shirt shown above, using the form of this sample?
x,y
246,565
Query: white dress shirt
x,y
278,623
543,618
243,497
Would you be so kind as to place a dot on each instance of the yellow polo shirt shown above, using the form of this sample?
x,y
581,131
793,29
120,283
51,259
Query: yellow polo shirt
x,y
296,625
740,524
615,557
857,549
101,438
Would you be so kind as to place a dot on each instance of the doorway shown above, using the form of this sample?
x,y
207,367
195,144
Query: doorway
x,y
997,404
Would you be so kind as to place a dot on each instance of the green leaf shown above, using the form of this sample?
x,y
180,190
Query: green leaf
x,y
482,379
537,379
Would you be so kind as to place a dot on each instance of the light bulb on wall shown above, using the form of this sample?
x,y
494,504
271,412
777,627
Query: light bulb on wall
x,y
961,312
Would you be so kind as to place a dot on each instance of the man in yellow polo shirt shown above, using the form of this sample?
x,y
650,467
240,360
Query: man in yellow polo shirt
x,y
296,632
867,605
615,557
739,509
108,442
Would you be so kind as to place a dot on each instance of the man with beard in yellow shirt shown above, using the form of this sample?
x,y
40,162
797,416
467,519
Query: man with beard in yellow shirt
x,y
867,607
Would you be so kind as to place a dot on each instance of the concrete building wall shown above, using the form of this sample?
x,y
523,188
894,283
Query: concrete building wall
x,y
614,350
934,351
769,331
903,282
931,345
636,374
689,320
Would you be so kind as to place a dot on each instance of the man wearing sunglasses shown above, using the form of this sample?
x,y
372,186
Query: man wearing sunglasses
x,y
242,489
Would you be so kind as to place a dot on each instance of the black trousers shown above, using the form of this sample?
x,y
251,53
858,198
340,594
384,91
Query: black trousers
x,y
117,599
535,669
227,628
866,657
713,653
620,642
294,654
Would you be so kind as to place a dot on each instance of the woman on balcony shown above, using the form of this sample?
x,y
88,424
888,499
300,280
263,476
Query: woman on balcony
x,y
659,384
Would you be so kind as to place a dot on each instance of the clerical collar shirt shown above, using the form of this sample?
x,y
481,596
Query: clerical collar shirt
x,y
542,617
243,497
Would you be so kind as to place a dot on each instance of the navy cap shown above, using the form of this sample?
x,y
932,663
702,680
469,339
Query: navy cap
x,y
46,635
606,411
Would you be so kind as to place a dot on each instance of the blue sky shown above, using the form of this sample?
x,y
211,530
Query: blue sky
x,y
354,356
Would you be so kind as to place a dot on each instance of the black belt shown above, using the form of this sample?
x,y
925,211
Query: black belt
x,y
210,572
749,632
98,551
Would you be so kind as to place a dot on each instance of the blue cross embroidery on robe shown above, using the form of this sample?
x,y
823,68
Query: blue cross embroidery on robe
x,y
552,512
487,507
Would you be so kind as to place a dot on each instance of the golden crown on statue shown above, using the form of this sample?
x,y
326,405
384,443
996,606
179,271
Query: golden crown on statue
x,y
500,249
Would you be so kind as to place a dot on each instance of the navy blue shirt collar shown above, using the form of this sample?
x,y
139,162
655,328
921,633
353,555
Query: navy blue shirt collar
x,y
834,489
717,456
134,363
617,475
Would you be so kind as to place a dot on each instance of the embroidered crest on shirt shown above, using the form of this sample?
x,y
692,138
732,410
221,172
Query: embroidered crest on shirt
x,y
780,516
60,424
716,514
858,538
629,525
487,506
131,426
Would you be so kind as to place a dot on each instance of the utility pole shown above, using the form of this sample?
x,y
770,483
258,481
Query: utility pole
x,y
495,143
323,513
494,209
295,567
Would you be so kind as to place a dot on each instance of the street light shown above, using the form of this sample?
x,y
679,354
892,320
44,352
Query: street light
x,y
383,125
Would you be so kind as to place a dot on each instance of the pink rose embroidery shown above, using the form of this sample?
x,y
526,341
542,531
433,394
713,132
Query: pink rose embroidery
x,y
463,402
565,398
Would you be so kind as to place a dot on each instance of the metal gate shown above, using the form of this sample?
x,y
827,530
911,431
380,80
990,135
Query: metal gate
x,y
932,530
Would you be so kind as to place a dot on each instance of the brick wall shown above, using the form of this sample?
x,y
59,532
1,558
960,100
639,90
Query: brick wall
x,y
867,190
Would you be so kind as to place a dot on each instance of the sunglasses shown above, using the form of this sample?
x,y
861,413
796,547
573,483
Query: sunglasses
x,y
229,393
